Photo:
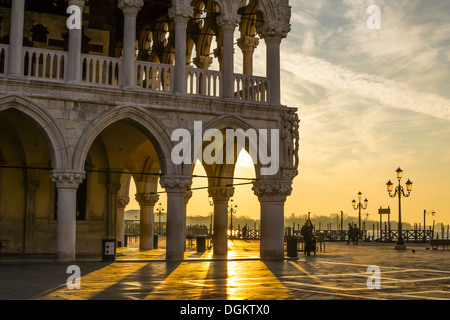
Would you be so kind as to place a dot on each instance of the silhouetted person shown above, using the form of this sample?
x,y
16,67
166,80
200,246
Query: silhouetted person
x,y
355,234
308,237
350,233
244,232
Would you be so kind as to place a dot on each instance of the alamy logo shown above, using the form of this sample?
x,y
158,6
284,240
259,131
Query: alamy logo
x,y
374,21
74,281
235,140
374,280
74,21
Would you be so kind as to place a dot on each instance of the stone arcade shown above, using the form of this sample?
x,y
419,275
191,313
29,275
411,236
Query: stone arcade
x,y
84,110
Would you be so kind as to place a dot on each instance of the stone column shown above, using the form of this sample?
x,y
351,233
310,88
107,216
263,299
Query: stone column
x,y
15,57
187,196
146,201
272,32
228,22
180,15
67,183
220,196
122,202
113,189
272,195
248,45
176,187
30,214
130,9
74,54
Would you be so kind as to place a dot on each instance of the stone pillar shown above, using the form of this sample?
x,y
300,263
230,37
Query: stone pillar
x,y
272,32
180,15
67,183
130,9
272,195
146,201
187,196
30,214
176,187
220,196
74,54
113,189
122,202
15,57
248,45
228,22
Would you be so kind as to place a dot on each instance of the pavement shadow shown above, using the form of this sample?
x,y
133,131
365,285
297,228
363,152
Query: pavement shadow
x,y
139,284
23,281
217,276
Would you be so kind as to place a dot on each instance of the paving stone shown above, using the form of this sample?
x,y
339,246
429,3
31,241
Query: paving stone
x,y
340,272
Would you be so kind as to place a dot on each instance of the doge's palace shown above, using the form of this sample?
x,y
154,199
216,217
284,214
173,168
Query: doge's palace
x,y
91,93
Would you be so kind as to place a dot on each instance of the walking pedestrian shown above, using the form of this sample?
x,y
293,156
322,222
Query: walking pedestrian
x,y
350,233
308,237
355,234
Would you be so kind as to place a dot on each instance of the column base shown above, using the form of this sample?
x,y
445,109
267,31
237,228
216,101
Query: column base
x,y
272,254
73,82
14,76
174,255
400,247
65,257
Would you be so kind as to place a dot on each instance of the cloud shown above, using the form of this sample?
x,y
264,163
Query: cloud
x,y
385,91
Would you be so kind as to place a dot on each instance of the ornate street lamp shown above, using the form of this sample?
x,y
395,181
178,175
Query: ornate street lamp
x,y
359,206
233,209
400,191
159,212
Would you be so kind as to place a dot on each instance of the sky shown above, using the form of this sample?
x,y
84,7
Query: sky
x,y
369,101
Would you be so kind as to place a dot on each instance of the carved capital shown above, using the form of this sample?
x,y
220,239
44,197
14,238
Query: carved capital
x,y
181,13
122,201
176,183
228,21
247,43
130,7
203,62
272,191
272,31
221,194
147,199
67,179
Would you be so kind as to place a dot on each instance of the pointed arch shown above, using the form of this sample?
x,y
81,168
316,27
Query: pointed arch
x,y
225,170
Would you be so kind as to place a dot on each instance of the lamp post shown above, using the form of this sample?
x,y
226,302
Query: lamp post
x,y
233,209
211,203
359,206
366,216
425,212
159,212
400,191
